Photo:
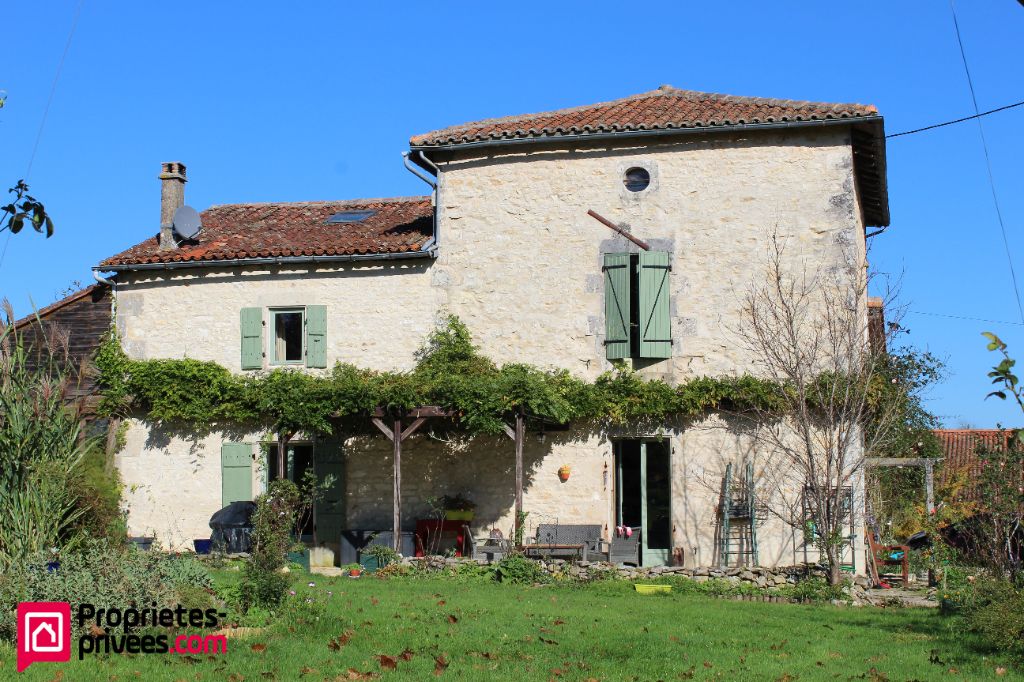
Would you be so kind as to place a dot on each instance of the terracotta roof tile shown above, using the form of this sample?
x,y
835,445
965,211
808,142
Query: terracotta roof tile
x,y
239,231
662,109
960,452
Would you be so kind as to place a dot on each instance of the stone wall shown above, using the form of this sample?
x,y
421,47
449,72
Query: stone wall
x,y
378,314
173,483
521,260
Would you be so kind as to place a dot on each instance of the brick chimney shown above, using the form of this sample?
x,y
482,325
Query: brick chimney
x,y
172,197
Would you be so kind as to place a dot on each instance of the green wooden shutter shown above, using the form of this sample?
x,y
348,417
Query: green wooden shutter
x,y
236,472
316,336
330,511
616,305
655,316
252,338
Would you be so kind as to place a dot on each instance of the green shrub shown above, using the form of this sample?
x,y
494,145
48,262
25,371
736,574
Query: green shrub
x,y
104,575
97,487
262,583
517,569
996,612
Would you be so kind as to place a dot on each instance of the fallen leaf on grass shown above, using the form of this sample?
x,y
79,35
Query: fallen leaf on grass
x,y
258,648
559,622
786,677
547,641
340,641
708,664
236,677
453,619
58,676
374,601
353,674
440,665
688,674
407,655
1000,671
306,670
387,663
96,631
442,602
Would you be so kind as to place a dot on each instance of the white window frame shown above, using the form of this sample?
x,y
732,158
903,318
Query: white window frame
x,y
272,336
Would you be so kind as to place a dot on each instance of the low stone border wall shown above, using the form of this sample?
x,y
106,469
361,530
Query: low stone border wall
x,y
766,580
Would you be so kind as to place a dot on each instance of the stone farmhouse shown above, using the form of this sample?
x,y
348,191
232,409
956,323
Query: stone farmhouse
x,y
504,241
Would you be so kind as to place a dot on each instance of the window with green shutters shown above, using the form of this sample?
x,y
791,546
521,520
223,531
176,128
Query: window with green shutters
x,y
298,336
638,322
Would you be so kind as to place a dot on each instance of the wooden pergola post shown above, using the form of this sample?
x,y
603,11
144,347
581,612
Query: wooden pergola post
x,y
396,435
518,435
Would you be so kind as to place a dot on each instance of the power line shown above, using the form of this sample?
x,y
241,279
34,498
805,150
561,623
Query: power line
x,y
46,109
988,164
959,120
963,317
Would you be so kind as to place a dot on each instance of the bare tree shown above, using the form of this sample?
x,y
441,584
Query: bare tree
x,y
810,330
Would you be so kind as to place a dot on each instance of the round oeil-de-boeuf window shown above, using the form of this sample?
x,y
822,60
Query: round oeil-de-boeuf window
x,y
636,179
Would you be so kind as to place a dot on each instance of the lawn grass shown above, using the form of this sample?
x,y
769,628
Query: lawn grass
x,y
603,631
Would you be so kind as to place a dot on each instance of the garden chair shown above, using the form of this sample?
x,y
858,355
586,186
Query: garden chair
x,y
887,555
623,550
493,548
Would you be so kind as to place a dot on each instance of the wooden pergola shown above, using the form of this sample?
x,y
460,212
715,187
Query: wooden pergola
x,y
407,423
927,463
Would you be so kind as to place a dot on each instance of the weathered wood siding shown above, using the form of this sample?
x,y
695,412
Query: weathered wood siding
x,y
79,322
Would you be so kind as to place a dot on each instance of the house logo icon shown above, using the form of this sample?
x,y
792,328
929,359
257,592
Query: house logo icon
x,y
44,633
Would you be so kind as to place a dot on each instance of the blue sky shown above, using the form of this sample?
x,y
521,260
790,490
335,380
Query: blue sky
x,y
317,102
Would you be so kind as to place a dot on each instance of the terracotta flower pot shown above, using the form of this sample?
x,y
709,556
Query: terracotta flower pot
x,y
563,473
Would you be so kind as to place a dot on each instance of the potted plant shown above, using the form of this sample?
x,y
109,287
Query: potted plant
x,y
377,556
353,570
302,499
458,507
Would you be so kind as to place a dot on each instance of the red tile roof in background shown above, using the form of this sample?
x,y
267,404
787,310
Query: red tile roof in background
x,y
664,108
960,450
240,231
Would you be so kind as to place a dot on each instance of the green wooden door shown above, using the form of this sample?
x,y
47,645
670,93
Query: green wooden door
x,y
235,472
330,512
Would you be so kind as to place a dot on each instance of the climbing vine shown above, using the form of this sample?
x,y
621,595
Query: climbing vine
x,y
450,372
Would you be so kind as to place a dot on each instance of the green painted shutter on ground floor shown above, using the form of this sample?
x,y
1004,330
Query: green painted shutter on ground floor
x,y
235,472
329,515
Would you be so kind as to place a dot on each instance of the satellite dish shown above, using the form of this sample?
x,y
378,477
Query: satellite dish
x,y
187,223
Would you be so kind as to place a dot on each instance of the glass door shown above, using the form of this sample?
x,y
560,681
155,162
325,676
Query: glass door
x,y
644,496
